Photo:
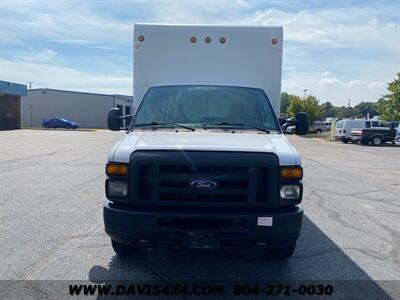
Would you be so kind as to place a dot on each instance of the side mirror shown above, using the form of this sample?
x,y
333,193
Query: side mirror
x,y
114,121
302,123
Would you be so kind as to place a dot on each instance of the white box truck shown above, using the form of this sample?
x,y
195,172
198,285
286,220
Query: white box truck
x,y
204,162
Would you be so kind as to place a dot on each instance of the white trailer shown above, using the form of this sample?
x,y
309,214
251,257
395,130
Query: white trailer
x,y
217,55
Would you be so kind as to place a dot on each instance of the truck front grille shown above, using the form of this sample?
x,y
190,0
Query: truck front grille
x,y
167,177
232,183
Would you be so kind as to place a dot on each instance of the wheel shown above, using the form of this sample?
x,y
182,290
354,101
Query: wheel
x,y
318,131
47,126
344,140
377,140
364,142
123,250
280,252
354,141
69,127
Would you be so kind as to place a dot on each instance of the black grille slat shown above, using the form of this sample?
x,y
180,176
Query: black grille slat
x,y
231,176
165,177
197,197
190,191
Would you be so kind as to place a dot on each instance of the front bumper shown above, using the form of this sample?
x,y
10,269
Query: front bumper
x,y
230,228
356,138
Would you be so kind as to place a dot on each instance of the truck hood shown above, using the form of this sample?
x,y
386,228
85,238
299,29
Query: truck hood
x,y
205,141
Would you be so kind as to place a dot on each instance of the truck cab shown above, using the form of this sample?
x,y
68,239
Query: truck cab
x,y
204,162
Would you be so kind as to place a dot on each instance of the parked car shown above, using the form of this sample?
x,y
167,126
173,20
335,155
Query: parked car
x,y
290,129
380,135
344,129
287,127
59,123
328,125
318,127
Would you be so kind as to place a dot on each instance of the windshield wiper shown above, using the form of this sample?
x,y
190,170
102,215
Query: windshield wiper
x,y
237,125
164,124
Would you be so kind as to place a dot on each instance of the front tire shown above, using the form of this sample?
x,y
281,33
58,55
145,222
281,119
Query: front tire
x,y
283,252
344,140
318,131
377,140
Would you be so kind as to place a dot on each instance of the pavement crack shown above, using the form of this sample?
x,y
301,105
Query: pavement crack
x,y
336,216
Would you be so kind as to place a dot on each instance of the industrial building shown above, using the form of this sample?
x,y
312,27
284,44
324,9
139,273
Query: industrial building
x,y
88,109
10,104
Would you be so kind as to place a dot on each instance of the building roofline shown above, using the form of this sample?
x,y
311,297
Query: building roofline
x,y
78,92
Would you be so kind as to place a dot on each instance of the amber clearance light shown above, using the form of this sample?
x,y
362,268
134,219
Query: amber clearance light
x,y
291,173
116,169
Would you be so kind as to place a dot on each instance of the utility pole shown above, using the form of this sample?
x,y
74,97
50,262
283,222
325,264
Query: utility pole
x,y
349,103
30,84
305,93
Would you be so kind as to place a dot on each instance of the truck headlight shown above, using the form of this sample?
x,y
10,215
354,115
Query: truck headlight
x,y
290,192
116,189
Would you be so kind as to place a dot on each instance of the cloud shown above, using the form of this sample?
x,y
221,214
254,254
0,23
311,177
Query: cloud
x,y
74,41
41,56
50,76
329,88
327,81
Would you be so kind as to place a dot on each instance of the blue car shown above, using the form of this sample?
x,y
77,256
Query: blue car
x,y
59,123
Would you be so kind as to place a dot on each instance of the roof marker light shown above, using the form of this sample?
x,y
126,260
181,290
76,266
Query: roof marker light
x,y
141,38
222,40
274,41
193,39
207,40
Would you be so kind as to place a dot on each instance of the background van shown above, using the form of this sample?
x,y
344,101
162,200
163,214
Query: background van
x,y
344,128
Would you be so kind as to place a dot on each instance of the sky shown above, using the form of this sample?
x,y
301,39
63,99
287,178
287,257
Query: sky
x,y
337,50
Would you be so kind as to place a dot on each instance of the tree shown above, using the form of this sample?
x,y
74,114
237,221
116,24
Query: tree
x,y
328,110
284,102
312,107
363,109
309,105
389,106
295,105
344,112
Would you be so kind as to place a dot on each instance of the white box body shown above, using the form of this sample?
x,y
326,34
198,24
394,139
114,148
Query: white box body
x,y
250,57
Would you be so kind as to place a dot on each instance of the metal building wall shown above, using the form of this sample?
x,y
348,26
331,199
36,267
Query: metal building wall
x,y
10,104
89,110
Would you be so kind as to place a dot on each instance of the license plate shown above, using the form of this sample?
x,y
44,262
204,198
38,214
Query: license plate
x,y
202,239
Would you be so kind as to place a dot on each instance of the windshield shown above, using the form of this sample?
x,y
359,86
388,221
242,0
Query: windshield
x,y
339,124
200,106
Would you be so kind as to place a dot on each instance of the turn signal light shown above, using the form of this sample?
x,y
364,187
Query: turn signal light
x,y
117,169
291,173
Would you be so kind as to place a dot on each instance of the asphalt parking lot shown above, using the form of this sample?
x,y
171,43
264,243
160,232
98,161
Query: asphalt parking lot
x,y
51,227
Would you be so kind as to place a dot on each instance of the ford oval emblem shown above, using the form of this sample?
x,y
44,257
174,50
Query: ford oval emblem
x,y
203,184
